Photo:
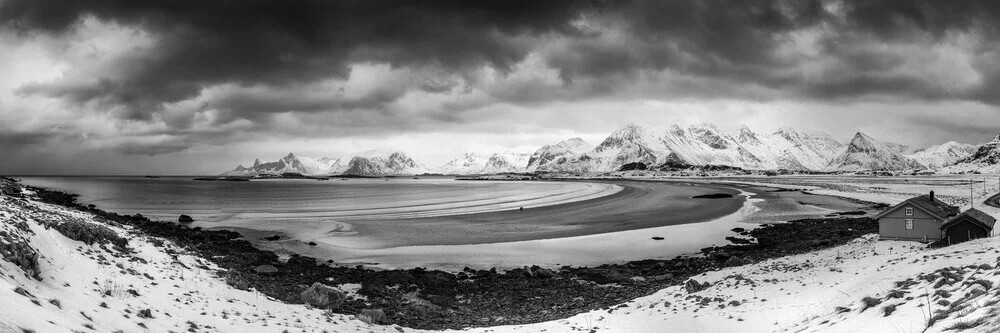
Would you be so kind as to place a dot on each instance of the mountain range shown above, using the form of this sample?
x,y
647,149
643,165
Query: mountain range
x,y
676,145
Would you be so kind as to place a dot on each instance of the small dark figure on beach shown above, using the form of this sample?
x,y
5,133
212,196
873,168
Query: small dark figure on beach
x,y
522,209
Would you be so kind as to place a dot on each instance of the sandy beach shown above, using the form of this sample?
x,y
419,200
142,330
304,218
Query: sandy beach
x,y
613,228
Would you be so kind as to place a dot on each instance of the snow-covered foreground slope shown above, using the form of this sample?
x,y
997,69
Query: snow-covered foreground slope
x,y
823,291
87,288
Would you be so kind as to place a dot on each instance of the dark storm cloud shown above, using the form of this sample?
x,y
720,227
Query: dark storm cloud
x,y
201,43
291,42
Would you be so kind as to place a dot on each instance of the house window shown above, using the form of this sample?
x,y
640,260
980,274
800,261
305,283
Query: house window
x,y
909,224
909,211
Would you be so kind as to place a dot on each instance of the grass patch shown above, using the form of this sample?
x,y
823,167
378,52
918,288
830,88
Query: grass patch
x,y
869,302
889,309
965,325
89,233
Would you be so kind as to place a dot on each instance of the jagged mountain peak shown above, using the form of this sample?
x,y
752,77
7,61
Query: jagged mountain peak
x,y
864,143
996,139
290,163
867,153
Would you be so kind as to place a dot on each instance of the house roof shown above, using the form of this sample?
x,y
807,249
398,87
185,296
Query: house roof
x,y
938,208
973,215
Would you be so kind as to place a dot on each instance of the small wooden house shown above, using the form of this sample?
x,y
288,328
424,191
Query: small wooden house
x,y
918,218
969,225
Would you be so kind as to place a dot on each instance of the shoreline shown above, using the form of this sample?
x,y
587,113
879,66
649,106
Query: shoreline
x,y
477,298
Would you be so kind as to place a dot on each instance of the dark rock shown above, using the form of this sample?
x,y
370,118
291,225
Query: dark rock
x,y
664,277
322,296
265,269
145,313
713,196
692,286
185,219
375,315
601,275
272,238
633,166
721,256
544,273
738,230
312,244
657,238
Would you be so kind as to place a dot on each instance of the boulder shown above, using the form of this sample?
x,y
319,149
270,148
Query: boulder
x,y
664,277
323,296
721,256
601,275
544,273
692,286
265,269
185,219
374,315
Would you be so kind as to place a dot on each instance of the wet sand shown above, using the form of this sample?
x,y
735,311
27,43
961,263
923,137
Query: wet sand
x,y
638,205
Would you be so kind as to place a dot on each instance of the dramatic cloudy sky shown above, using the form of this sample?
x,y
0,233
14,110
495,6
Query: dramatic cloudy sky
x,y
195,87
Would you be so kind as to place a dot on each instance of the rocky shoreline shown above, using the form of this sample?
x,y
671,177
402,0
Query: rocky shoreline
x,y
430,299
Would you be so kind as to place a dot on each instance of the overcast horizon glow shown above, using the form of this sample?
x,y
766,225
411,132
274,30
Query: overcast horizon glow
x,y
185,87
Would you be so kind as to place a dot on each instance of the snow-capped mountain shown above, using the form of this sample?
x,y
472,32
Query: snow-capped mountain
x,y
383,163
943,155
988,153
633,143
552,157
474,163
506,162
866,153
702,144
291,163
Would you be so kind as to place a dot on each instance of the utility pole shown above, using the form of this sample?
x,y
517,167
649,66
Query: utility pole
x,y
971,201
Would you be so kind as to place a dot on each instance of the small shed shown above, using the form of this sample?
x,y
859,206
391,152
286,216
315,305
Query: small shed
x,y
969,225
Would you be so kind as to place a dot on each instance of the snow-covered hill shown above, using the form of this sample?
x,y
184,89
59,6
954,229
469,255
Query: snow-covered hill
x,y
866,153
152,286
475,163
383,163
943,155
290,163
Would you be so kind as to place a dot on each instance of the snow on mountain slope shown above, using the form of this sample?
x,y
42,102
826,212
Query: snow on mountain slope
x,y
866,153
943,155
633,143
290,163
988,153
505,162
553,157
474,163
468,164
383,163
803,151
701,144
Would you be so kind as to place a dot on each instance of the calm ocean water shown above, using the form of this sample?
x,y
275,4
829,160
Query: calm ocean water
x,y
289,200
